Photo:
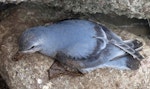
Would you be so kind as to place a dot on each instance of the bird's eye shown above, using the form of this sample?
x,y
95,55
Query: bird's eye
x,y
32,47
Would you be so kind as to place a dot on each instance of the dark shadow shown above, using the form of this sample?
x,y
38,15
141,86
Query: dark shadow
x,y
3,84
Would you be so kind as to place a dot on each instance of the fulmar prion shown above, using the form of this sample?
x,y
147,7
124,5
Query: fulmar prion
x,y
83,45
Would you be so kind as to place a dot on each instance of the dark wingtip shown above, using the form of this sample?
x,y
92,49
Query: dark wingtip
x,y
138,47
137,44
132,63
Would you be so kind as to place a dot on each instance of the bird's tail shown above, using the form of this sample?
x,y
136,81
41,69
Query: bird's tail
x,y
128,61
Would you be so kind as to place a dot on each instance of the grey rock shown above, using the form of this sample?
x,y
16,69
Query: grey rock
x,y
131,8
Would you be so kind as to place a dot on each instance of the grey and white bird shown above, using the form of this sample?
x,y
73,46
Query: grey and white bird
x,y
82,45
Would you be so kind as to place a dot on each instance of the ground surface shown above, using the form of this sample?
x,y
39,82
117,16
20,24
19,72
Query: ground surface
x,y
26,16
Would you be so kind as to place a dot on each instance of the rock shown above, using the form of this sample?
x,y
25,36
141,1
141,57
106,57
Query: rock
x,y
131,8
30,71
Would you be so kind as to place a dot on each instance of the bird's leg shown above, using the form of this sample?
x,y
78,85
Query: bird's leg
x,y
58,69
55,70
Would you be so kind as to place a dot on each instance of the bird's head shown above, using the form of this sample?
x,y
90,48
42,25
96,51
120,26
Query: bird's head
x,y
31,40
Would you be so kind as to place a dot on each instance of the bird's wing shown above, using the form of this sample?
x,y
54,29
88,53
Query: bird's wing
x,y
101,53
135,54
101,36
117,41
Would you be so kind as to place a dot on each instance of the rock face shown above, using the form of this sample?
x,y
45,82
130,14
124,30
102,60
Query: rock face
x,y
131,8
30,72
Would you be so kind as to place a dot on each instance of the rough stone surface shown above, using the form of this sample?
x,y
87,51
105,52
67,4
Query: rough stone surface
x,y
30,72
131,8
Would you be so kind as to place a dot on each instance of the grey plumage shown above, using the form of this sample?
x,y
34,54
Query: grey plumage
x,y
82,45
